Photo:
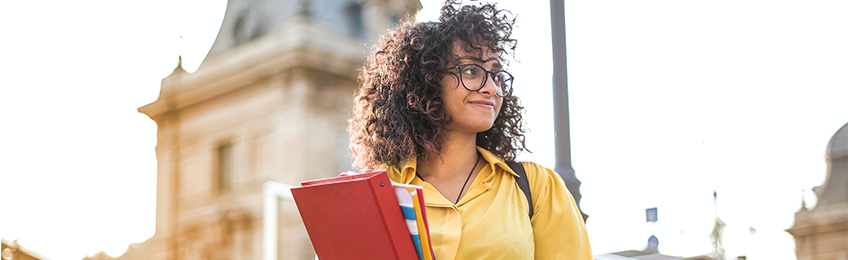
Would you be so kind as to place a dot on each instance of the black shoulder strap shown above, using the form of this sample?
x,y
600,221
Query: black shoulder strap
x,y
522,182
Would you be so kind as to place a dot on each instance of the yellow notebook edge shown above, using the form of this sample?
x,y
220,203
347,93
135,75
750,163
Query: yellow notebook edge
x,y
423,231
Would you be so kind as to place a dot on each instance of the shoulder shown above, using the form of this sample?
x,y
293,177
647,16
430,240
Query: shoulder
x,y
540,175
545,183
401,172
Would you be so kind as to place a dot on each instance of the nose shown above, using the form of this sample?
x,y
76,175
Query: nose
x,y
489,87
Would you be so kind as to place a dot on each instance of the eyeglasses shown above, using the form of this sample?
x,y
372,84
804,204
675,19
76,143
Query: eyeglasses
x,y
473,77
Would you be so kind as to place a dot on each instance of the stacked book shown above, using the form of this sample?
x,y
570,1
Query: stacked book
x,y
364,216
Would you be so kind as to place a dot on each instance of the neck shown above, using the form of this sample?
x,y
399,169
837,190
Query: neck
x,y
458,153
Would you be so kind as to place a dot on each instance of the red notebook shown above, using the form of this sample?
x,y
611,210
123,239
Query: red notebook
x,y
354,217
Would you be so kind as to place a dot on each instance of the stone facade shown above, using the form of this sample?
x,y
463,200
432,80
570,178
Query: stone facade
x,y
269,103
822,233
11,250
136,251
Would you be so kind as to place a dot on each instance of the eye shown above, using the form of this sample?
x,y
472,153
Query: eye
x,y
470,71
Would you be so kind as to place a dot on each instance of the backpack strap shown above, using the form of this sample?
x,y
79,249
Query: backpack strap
x,y
522,182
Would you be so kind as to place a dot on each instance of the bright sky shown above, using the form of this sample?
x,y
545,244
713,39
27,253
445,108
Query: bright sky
x,y
670,100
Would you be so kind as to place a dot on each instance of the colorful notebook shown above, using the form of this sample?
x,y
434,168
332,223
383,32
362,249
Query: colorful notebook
x,y
408,208
423,246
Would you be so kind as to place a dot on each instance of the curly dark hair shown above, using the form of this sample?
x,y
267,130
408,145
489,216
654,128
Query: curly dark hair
x,y
398,111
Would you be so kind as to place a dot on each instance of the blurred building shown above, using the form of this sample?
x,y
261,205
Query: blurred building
x,y
269,103
12,251
135,251
822,233
646,255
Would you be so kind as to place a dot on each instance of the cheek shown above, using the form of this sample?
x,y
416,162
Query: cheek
x,y
448,86
448,83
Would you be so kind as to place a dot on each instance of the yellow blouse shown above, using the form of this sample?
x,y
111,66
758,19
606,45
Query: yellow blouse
x,y
491,220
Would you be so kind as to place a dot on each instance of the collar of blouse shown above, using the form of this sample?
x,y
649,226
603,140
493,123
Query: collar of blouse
x,y
407,168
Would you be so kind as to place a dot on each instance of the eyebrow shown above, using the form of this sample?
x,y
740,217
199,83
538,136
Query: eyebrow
x,y
496,66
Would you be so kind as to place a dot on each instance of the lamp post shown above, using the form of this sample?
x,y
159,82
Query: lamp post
x,y
560,93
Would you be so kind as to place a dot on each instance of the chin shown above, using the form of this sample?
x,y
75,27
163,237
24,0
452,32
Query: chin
x,y
484,128
474,126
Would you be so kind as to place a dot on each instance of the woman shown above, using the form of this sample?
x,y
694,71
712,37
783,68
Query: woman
x,y
436,109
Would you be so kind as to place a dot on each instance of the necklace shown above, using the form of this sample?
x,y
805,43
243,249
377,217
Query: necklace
x,y
466,179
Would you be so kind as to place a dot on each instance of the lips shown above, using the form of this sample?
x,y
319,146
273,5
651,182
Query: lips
x,y
483,103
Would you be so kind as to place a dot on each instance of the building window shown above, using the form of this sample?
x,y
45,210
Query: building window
x,y
240,30
225,167
354,19
394,20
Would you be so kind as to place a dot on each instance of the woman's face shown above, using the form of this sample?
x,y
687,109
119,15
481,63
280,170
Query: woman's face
x,y
471,111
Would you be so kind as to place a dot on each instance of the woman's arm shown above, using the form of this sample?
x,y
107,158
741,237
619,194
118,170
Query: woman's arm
x,y
558,228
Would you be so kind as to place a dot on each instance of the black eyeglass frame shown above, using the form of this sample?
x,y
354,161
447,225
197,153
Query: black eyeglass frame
x,y
485,78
